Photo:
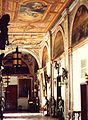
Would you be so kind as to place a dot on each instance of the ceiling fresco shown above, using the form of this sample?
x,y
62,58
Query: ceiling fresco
x,y
31,19
32,11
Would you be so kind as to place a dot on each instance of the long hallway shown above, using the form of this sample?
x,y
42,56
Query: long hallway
x,y
43,59
26,116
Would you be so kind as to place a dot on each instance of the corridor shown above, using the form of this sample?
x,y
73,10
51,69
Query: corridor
x,y
26,116
43,59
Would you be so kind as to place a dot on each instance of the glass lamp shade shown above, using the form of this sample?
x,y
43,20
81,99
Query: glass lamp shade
x,y
17,55
15,62
17,58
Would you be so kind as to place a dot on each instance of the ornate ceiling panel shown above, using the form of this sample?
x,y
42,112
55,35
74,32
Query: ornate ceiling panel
x,y
26,38
31,16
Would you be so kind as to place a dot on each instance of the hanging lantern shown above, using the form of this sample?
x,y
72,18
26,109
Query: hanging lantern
x,y
17,58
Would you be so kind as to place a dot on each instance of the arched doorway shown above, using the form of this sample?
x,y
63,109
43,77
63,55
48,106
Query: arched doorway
x,y
20,86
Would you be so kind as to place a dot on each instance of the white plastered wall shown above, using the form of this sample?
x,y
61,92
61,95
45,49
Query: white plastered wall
x,y
78,55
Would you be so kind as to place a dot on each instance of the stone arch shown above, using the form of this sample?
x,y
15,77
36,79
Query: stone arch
x,y
27,51
10,68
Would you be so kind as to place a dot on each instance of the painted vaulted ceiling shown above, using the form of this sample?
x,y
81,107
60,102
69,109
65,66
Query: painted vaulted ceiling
x,y
30,20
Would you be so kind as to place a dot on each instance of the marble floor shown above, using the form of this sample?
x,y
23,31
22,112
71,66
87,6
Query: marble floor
x,y
27,116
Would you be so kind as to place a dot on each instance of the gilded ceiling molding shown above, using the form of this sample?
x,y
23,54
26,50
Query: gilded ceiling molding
x,y
59,21
63,14
74,3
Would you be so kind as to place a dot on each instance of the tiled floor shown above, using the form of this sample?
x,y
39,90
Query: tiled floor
x,y
26,116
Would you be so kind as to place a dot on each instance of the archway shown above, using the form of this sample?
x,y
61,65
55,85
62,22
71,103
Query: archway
x,y
24,78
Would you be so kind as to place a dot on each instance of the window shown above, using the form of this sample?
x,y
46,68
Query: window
x,y
83,67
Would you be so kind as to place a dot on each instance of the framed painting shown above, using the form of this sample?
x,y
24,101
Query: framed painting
x,y
24,87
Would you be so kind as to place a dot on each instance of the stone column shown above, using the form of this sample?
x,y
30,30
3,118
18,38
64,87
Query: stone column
x,y
66,61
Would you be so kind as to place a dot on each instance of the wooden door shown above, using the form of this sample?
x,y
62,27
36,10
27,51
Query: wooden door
x,y
11,98
84,102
